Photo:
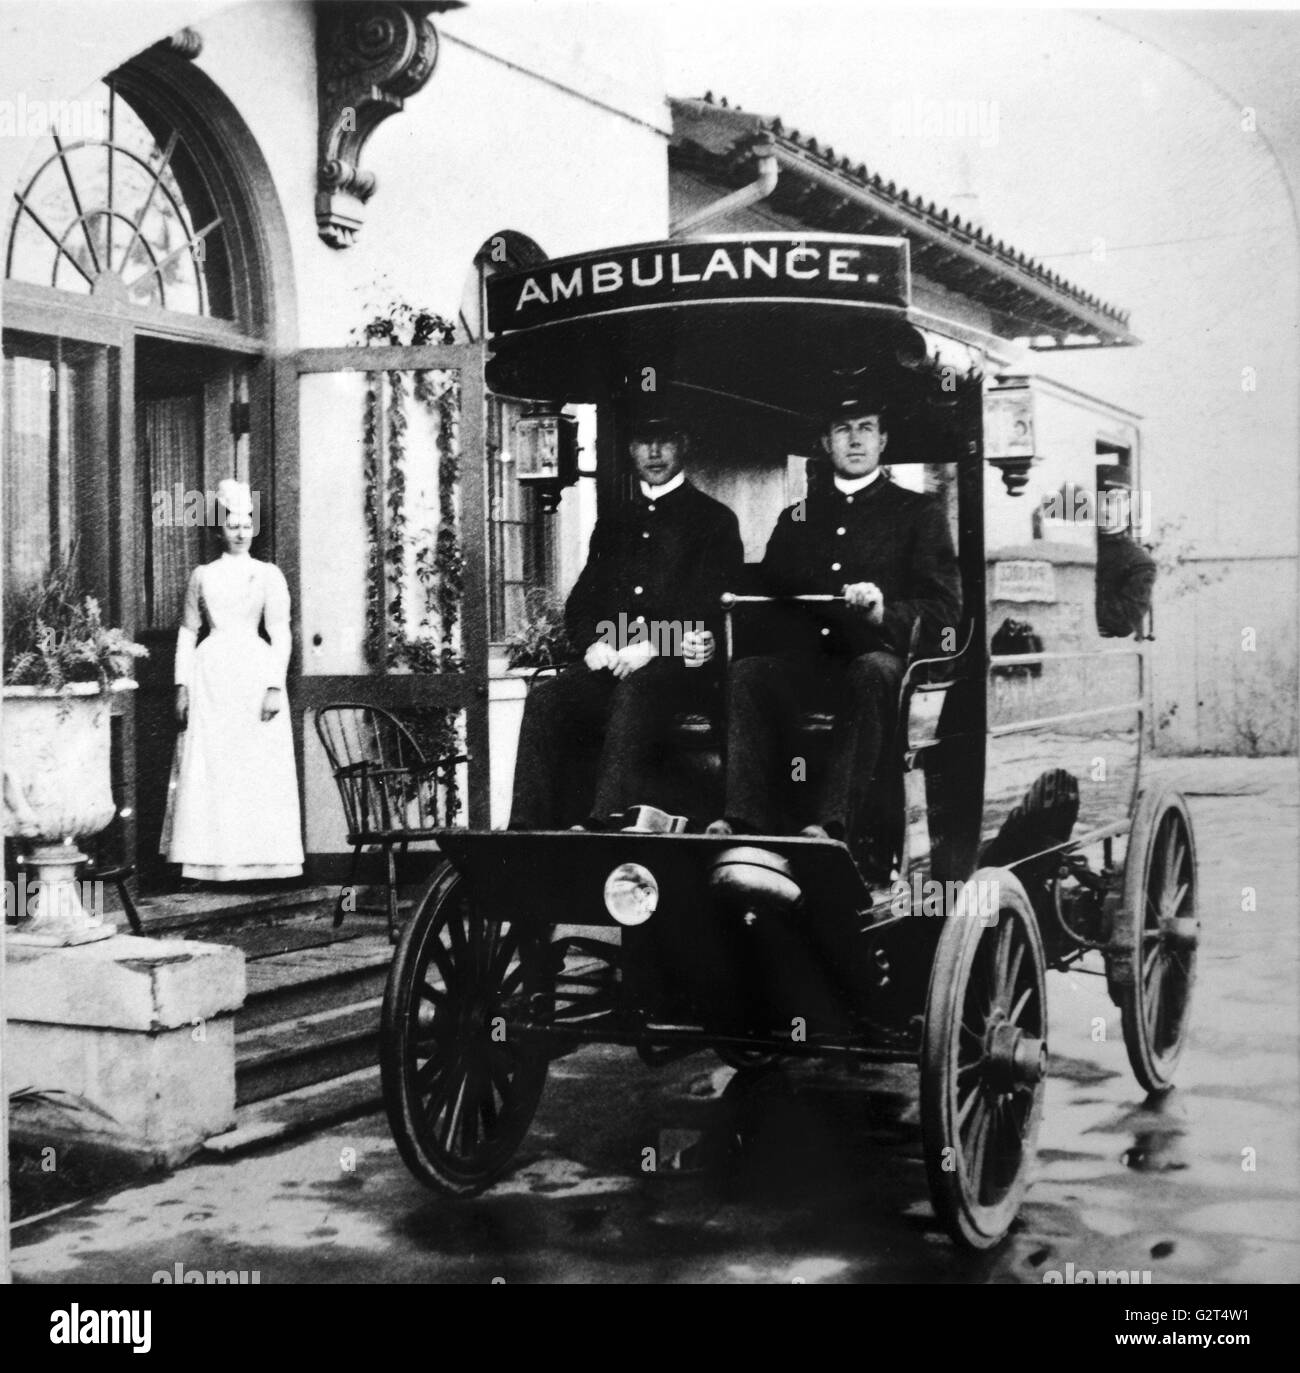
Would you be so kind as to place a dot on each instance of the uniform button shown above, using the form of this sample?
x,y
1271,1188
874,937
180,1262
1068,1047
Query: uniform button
x,y
640,620
835,567
825,631
651,509
840,530
849,499
637,590
645,533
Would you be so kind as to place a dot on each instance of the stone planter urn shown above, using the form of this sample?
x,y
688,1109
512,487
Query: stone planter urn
x,y
57,791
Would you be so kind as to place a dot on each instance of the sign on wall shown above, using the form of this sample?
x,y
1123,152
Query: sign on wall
x,y
1023,580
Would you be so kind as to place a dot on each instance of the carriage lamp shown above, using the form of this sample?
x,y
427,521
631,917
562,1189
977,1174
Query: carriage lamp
x,y
1009,439
546,451
631,894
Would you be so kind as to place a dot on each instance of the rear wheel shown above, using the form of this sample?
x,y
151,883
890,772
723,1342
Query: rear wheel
x,y
984,1059
461,1083
1153,951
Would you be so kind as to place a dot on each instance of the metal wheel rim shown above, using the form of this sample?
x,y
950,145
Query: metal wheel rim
x,y
1163,972
994,1120
471,1087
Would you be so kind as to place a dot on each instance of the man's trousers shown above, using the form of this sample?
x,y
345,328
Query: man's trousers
x,y
765,749
589,745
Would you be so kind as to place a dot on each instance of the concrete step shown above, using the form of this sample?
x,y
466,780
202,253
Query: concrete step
x,y
289,1054
207,914
301,982
259,1124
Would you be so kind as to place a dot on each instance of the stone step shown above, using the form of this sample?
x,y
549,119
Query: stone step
x,y
208,914
300,982
290,1054
259,1124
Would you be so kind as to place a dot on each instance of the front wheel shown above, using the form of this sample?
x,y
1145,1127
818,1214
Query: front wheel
x,y
461,1081
984,1058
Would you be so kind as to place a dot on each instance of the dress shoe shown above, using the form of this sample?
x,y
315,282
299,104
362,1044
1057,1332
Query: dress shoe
x,y
814,832
720,828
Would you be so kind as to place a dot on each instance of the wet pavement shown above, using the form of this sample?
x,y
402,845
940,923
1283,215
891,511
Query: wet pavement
x,y
830,1186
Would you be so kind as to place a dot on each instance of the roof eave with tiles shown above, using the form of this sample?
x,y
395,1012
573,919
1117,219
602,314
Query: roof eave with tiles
x,y
824,191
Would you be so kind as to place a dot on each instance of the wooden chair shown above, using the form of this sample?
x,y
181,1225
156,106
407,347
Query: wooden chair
x,y
392,795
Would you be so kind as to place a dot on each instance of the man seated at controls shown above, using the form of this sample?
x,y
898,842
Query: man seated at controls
x,y
889,553
644,613
1126,572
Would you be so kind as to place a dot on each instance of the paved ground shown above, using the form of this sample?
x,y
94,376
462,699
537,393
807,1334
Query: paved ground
x,y
1203,1187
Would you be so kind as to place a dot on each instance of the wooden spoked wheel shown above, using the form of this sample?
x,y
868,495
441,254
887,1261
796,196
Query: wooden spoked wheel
x,y
984,1058
461,1082
1153,949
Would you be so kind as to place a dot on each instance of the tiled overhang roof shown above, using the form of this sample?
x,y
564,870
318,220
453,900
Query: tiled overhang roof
x,y
823,191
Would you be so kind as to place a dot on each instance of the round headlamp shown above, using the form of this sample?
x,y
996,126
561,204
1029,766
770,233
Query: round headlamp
x,y
631,894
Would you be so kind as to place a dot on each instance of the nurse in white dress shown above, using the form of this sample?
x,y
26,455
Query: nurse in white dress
x,y
232,811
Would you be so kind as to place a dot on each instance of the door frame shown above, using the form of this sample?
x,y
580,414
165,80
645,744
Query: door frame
x,y
465,691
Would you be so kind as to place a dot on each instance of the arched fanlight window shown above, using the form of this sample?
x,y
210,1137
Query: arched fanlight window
x,y
118,209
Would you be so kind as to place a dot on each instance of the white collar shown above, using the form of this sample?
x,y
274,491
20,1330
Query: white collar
x,y
850,486
653,493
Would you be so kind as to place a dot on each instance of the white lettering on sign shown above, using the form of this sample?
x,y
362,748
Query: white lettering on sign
x,y
793,256
1024,581
799,263
766,265
606,276
720,262
559,290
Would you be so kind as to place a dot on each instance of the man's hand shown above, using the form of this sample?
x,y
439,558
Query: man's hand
x,y
698,647
271,703
633,658
600,655
866,596
182,707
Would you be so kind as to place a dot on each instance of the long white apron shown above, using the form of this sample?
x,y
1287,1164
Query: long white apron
x,y
232,806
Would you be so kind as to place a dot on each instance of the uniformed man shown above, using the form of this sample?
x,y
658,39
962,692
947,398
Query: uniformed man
x,y
644,613
1126,572
889,553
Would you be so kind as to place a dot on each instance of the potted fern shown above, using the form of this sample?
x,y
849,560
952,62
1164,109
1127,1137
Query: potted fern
x,y
62,665
541,639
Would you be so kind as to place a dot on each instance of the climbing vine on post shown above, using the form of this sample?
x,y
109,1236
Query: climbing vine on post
x,y
396,546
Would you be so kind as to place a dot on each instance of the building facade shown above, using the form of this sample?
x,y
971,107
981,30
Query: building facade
x,y
216,208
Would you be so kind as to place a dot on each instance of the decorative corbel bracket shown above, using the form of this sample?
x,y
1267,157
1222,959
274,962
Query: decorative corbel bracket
x,y
370,57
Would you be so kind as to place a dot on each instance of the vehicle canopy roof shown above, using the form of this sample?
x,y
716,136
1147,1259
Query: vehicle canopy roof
x,y
782,324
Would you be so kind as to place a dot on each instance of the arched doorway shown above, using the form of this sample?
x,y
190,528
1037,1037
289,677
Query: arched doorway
x,y
147,286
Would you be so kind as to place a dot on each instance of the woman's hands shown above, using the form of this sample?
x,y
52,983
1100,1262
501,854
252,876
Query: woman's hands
x,y
272,705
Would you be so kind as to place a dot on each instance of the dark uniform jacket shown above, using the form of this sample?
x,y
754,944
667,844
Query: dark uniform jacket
x,y
669,559
896,538
1126,575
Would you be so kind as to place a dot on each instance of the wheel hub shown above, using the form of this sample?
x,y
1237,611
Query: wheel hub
x,y
1012,1058
1182,934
